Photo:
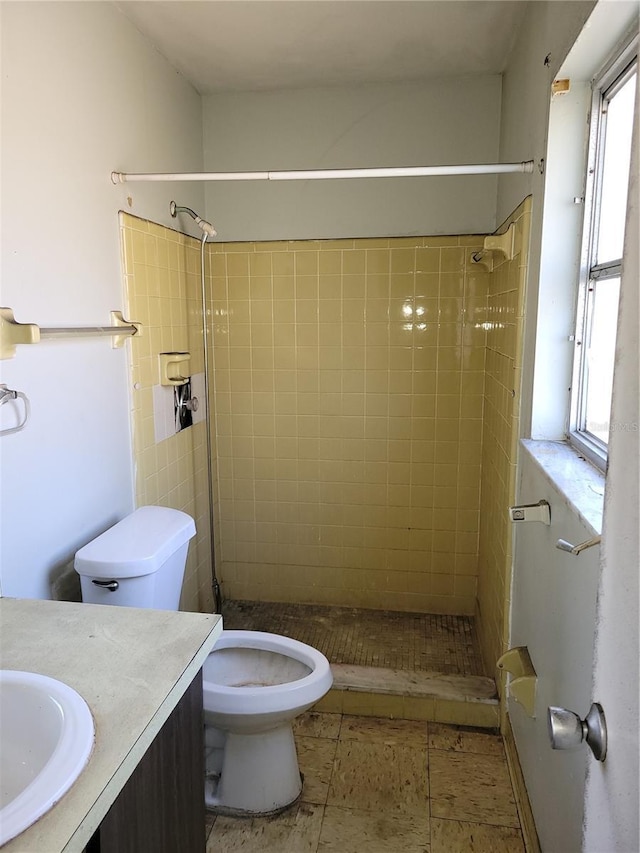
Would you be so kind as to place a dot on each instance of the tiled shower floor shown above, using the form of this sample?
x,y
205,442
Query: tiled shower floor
x,y
414,642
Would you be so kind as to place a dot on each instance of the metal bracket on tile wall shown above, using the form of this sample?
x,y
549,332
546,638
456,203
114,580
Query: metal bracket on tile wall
x,y
483,258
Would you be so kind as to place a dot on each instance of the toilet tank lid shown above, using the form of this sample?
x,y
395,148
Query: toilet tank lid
x,y
137,545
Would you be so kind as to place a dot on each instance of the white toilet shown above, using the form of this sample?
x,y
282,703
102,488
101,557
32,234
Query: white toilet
x,y
254,683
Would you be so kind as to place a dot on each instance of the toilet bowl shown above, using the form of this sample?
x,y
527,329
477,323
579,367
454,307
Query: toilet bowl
x,y
255,684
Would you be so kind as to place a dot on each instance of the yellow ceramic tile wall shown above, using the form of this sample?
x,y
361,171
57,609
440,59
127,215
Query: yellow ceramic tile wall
x,y
162,292
505,323
349,395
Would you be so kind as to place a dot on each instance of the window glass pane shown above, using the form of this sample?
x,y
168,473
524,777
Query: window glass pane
x,y
615,176
600,357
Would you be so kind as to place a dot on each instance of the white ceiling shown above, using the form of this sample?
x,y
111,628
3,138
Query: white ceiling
x,y
253,45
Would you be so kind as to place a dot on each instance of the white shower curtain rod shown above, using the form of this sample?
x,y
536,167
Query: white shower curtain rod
x,y
329,174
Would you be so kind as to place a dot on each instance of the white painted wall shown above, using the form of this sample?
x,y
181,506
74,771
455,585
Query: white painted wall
x,y
565,164
549,29
613,788
579,616
83,93
565,167
436,122
554,608
555,595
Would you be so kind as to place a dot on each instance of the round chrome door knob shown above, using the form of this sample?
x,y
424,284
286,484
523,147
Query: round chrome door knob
x,y
568,731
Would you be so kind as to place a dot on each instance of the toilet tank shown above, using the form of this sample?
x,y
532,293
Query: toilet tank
x,y
139,562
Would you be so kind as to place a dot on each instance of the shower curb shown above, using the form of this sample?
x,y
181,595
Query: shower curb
x,y
432,696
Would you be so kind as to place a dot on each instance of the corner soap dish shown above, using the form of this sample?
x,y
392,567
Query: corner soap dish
x,y
524,679
502,246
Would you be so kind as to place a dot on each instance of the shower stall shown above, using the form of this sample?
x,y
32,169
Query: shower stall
x,y
364,398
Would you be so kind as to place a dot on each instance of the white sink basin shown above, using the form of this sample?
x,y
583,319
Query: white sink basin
x,y
46,738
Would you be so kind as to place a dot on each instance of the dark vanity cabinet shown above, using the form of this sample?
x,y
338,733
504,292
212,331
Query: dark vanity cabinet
x,y
161,807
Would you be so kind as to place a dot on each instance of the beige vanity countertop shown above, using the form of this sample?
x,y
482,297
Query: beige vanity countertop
x,y
131,666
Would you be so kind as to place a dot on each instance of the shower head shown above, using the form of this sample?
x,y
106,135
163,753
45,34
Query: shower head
x,y
207,227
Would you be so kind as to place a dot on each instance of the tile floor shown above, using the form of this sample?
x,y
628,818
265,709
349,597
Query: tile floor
x,y
372,638
386,786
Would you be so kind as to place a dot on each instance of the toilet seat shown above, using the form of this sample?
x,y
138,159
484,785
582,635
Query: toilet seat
x,y
227,699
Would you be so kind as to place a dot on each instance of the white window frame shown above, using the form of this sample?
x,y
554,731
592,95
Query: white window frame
x,y
605,85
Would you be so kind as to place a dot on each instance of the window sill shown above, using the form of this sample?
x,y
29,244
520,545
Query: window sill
x,y
578,481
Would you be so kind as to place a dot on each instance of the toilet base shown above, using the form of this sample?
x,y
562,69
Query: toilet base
x,y
259,774
212,805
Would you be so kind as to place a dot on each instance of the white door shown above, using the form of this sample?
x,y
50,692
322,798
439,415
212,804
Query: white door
x,y
612,790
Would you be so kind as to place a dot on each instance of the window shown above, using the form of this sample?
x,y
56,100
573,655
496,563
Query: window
x,y
603,238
